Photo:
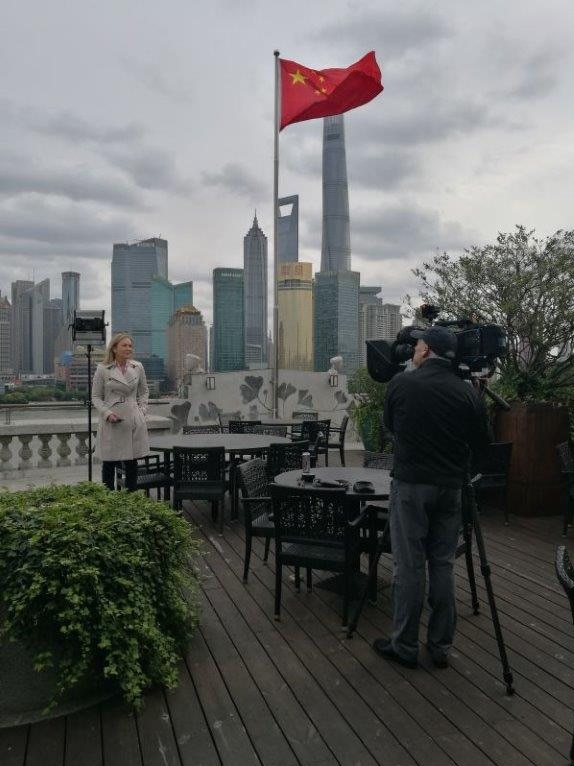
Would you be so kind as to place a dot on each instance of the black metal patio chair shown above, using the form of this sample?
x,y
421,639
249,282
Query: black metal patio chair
x,y
243,426
493,465
256,502
152,473
199,474
284,457
316,432
565,574
566,462
315,529
210,428
271,430
225,417
339,434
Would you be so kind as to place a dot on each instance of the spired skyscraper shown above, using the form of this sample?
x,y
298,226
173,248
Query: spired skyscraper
x,y
133,268
288,229
255,296
336,245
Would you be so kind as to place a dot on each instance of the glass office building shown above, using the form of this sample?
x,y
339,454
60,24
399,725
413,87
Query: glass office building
x,y
336,319
255,296
228,320
166,298
336,243
133,268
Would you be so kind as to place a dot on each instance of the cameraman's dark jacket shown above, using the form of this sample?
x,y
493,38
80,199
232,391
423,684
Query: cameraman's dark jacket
x,y
435,418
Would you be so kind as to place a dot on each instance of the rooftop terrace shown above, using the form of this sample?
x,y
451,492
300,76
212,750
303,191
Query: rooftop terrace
x,y
253,691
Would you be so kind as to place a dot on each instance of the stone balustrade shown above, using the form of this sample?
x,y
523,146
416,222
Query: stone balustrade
x,y
28,446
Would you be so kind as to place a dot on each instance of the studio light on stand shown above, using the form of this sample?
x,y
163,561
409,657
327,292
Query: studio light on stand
x,y
89,328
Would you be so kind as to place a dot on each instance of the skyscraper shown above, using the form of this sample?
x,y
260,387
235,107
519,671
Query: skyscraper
x,y
255,296
391,321
370,312
228,320
295,304
133,268
336,319
70,295
186,334
5,336
165,299
20,358
53,323
288,229
336,245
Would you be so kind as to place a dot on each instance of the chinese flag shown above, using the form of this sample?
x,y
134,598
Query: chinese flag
x,y
307,93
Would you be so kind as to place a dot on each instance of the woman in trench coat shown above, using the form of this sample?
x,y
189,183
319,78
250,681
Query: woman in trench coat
x,y
120,395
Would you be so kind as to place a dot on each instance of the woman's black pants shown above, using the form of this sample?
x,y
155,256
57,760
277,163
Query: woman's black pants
x,y
109,473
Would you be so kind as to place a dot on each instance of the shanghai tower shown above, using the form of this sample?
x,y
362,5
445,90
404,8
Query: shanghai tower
x,y
336,246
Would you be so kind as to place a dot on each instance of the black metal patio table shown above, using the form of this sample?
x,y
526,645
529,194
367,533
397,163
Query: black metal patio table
x,y
235,445
381,485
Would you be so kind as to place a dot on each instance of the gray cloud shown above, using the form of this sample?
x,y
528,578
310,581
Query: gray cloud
x,y
70,127
152,77
395,32
151,168
236,179
58,223
78,183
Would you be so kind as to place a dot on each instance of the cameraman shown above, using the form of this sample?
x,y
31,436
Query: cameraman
x,y
436,419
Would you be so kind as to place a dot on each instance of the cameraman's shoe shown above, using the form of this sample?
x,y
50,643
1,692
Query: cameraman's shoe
x,y
385,649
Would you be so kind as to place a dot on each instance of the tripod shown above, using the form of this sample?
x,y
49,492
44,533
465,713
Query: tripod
x,y
470,525
89,405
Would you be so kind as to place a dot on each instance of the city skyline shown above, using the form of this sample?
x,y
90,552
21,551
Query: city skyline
x,y
135,148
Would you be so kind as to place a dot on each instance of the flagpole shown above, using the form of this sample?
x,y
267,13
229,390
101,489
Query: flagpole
x,y
275,249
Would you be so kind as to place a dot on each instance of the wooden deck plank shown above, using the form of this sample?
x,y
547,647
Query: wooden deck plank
x,y
231,739
46,743
84,738
157,741
194,740
13,743
119,735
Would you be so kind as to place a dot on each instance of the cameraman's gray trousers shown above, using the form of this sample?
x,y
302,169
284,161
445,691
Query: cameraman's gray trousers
x,y
425,521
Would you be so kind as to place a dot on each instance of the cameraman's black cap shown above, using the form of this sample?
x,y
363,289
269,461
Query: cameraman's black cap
x,y
441,340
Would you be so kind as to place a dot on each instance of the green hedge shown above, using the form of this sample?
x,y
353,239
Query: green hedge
x,y
98,583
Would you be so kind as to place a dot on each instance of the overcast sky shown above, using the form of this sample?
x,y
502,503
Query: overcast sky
x,y
125,119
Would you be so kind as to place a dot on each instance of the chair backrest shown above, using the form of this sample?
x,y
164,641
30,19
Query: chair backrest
x,y
195,464
205,429
225,417
304,415
343,430
271,430
306,515
285,457
243,426
495,460
310,429
378,460
565,458
252,478
565,574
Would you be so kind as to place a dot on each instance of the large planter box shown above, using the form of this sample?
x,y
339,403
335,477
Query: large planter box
x,y
25,693
535,485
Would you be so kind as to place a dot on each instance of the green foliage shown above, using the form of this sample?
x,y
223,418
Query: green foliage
x,y
369,397
25,394
98,583
526,285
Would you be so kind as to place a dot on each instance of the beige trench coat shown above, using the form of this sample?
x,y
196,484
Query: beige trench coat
x,y
126,396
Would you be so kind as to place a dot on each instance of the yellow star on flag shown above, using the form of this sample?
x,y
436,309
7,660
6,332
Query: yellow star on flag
x,y
297,77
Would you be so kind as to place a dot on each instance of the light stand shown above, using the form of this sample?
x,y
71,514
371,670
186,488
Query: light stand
x,y
89,327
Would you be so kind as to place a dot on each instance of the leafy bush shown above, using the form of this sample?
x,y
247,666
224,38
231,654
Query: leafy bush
x,y
369,397
98,584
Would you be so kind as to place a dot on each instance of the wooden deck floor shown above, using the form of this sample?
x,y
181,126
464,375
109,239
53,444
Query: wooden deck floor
x,y
254,691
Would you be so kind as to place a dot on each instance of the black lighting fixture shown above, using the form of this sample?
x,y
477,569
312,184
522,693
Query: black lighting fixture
x,y
89,327
210,382
333,379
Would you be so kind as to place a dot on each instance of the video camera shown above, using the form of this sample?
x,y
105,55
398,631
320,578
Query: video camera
x,y
479,346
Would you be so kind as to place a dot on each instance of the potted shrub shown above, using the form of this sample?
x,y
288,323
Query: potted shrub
x,y
367,408
98,594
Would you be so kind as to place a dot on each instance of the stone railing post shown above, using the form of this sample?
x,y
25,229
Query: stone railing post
x,y
63,449
5,452
25,452
45,451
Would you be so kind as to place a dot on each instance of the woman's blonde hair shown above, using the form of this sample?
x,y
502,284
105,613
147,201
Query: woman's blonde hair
x,y
110,351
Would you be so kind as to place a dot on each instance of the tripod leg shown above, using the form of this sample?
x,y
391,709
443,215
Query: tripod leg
x,y
485,570
467,536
